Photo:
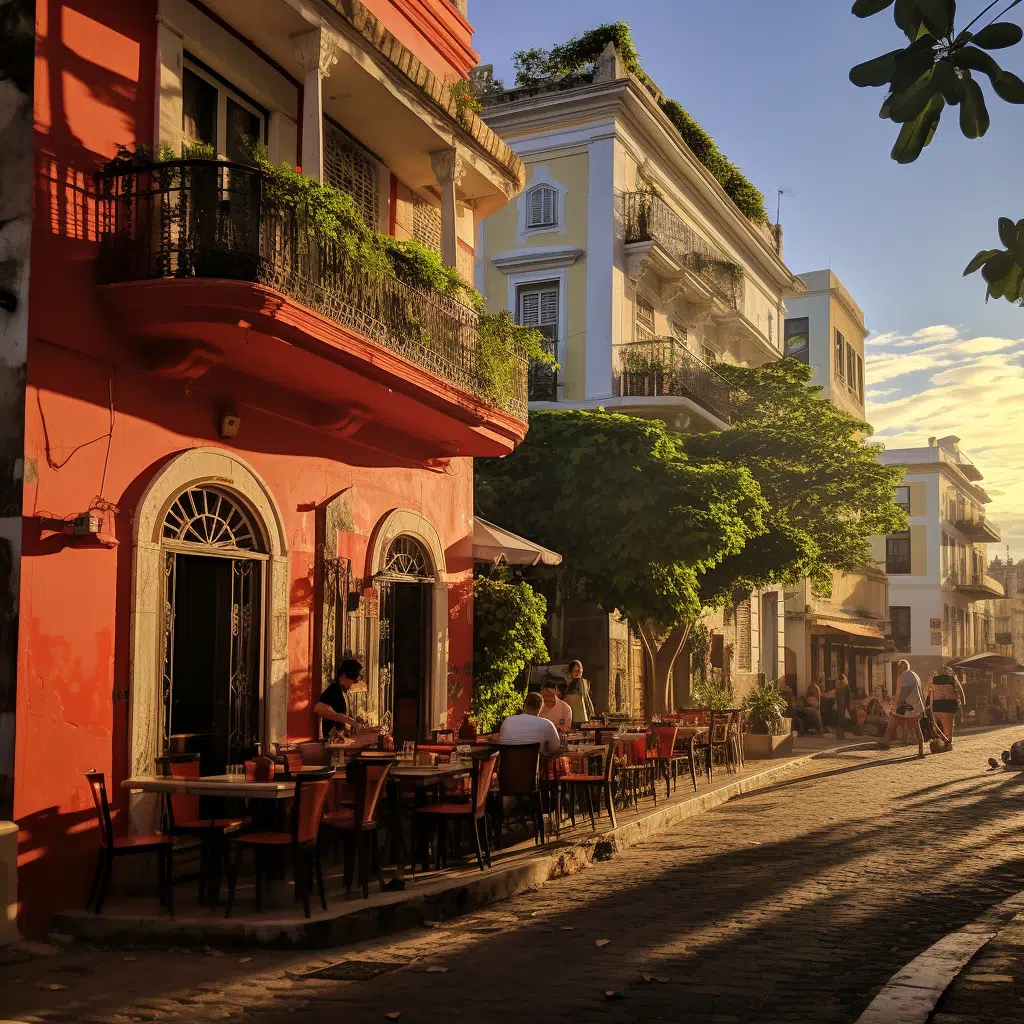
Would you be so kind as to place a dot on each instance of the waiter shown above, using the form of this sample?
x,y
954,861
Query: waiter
x,y
332,707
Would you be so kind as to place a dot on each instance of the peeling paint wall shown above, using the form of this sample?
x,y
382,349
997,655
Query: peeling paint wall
x,y
17,46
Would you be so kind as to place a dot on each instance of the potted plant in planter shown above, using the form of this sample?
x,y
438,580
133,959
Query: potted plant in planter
x,y
771,733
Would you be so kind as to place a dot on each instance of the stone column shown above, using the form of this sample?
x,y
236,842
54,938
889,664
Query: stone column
x,y
317,53
450,172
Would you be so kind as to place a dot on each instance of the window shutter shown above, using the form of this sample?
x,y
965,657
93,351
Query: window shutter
x,y
529,309
541,210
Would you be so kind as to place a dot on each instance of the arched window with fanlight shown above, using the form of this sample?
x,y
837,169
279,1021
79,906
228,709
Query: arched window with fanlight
x,y
542,207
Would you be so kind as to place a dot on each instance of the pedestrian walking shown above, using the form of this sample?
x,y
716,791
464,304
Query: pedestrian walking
x,y
844,702
909,707
945,695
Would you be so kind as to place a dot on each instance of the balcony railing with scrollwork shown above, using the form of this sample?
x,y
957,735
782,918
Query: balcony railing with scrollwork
x,y
543,379
215,219
650,219
665,367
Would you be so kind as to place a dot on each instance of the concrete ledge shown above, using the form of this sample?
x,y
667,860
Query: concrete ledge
x,y
460,892
8,883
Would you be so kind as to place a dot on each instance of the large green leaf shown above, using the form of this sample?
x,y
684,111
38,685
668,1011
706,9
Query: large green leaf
x,y
998,267
917,134
999,35
908,104
980,260
947,82
866,8
977,60
1018,247
877,71
974,119
1007,232
937,16
1007,86
908,18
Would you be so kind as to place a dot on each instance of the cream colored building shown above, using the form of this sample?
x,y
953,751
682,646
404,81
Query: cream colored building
x,y
846,632
940,591
641,272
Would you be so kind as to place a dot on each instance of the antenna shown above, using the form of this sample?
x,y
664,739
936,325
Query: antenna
x,y
778,209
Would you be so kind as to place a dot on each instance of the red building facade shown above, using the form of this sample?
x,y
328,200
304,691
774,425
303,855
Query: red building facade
x,y
243,457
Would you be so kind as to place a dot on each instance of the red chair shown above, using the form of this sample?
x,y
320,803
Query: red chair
x,y
589,783
183,819
112,846
357,826
475,811
300,843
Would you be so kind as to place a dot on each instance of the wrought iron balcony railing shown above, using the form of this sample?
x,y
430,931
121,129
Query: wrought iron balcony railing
x,y
215,219
543,380
665,367
650,219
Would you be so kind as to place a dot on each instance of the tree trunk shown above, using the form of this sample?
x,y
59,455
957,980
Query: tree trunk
x,y
661,651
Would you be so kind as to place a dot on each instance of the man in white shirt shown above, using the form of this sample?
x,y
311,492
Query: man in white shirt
x,y
527,727
909,693
555,710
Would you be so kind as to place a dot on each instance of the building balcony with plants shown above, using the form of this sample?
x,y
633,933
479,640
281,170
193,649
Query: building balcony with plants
x,y
311,248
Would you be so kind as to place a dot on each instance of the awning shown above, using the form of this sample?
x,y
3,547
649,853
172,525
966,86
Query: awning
x,y
493,544
988,662
853,630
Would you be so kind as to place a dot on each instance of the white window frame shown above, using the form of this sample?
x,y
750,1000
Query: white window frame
x,y
538,277
541,177
224,93
548,196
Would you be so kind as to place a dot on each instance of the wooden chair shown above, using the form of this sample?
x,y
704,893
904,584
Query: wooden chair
x,y
716,738
357,826
299,843
589,783
439,814
183,818
665,760
313,753
519,776
112,846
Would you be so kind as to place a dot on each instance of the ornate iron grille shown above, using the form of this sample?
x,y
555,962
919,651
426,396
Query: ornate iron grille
x,y
209,517
167,661
650,219
216,219
426,223
407,560
349,168
666,367
243,703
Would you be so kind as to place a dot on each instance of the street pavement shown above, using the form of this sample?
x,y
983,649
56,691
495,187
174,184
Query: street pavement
x,y
795,903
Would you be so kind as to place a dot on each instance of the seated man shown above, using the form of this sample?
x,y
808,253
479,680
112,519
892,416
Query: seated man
x,y
526,727
555,710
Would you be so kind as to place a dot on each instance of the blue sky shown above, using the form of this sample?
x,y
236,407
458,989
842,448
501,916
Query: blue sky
x,y
769,81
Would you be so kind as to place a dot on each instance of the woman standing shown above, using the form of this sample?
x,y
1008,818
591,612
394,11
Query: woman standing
x,y
577,695
945,694
844,703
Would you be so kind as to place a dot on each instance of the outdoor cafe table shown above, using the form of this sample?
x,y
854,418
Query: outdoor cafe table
x,y
420,778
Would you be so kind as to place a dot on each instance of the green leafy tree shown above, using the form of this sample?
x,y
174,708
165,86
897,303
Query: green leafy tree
x,y
942,67
508,623
826,490
637,520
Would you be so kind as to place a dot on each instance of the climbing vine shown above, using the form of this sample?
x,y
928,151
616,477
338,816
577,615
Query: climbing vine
x,y
577,59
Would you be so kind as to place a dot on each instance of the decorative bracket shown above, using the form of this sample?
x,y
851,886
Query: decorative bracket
x,y
316,51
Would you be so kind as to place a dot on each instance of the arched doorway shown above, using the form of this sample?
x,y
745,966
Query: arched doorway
x,y
226,473
405,629
214,559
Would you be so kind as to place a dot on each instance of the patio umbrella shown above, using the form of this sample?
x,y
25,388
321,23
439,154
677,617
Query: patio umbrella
x,y
493,544
989,662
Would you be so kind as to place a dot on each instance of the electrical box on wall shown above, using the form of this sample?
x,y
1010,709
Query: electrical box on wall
x,y
86,524
230,424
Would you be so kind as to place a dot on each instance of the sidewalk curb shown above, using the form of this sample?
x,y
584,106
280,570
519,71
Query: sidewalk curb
x,y
912,994
467,891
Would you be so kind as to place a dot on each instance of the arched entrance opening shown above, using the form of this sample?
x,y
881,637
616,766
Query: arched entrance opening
x,y
406,627
214,560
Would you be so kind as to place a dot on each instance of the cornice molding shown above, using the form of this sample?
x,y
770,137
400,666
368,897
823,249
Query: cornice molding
x,y
555,257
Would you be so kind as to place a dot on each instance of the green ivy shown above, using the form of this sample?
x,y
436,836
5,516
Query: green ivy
x,y
333,216
578,57
508,623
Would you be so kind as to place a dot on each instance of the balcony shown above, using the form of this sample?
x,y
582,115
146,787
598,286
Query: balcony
x,y
974,526
663,368
209,273
977,585
656,234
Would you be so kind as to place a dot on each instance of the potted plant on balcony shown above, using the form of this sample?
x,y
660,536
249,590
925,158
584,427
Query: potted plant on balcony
x,y
771,733
645,372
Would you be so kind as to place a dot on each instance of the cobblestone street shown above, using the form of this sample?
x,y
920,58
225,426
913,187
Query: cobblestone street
x,y
796,903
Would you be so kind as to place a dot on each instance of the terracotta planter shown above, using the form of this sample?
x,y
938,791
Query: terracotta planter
x,y
759,747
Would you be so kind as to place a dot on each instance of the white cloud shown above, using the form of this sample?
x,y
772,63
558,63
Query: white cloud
x,y
971,387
